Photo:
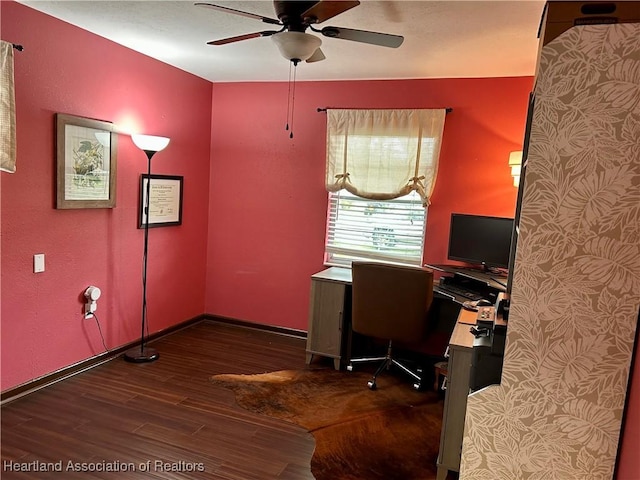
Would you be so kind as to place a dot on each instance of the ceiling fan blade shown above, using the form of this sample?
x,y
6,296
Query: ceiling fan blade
x,y
324,10
374,38
247,36
316,57
213,6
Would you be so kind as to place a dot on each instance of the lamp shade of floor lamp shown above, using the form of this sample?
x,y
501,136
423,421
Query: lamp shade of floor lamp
x,y
149,144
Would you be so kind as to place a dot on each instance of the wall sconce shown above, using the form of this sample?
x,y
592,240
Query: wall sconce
x,y
149,144
515,162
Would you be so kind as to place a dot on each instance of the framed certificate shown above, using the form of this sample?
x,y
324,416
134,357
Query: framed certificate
x,y
165,200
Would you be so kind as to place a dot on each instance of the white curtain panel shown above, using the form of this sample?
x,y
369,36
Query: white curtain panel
x,y
7,110
383,154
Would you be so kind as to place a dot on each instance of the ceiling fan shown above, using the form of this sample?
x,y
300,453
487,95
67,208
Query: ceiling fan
x,y
295,17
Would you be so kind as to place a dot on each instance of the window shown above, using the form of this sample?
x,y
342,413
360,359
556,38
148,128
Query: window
x,y
361,229
381,170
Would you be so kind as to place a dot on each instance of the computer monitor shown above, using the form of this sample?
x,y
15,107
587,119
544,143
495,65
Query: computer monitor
x,y
480,240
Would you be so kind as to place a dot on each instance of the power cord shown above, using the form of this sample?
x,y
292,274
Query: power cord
x,y
100,330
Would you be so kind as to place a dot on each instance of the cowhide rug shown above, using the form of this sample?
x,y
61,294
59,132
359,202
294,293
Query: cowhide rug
x,y
386,434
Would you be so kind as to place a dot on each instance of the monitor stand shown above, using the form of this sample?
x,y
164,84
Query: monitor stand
x,y
493,280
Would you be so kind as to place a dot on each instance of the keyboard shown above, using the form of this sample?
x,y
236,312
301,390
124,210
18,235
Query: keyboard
x,y
460,292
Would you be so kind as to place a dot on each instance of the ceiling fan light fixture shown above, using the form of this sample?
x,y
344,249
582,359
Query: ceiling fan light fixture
x,y
296,46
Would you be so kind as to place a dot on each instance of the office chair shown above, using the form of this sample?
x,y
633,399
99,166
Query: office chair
x,y
391,302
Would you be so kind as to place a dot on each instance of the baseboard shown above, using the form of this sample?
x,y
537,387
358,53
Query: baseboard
x,y
66,372
292,332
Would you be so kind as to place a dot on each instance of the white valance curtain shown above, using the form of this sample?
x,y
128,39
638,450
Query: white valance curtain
x,y
383,154
7,109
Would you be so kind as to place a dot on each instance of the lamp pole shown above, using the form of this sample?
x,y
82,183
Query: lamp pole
x,y
149,145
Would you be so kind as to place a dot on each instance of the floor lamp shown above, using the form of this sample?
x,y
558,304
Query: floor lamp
x,y
150,145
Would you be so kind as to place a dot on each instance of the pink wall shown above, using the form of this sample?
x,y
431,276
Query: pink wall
x,y
268,201
66,69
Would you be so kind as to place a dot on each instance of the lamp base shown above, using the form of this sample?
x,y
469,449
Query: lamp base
x,y
141,355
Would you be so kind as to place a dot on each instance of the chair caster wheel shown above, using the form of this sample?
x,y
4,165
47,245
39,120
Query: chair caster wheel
x,y
371,384
349,368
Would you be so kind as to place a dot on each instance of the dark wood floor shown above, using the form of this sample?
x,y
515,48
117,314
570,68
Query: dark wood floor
x,y
167,412
162,416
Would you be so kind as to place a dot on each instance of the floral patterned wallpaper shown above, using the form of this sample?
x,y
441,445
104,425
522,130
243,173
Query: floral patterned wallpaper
x,y
576,288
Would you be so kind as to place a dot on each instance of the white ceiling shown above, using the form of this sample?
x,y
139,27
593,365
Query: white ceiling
x,y
443,39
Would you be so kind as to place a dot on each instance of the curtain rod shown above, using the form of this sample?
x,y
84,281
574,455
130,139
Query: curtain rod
x,y
18,47
320,109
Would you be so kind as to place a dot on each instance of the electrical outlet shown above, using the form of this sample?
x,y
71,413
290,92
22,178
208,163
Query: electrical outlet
x,y
38,263
89,308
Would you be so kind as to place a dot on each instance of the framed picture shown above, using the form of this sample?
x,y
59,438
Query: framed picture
x,y
86,163
165,200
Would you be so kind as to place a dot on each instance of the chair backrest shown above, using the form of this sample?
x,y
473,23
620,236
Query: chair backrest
x,y
391,301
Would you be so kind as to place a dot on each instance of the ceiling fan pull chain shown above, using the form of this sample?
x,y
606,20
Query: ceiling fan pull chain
x,y
293,96
288,98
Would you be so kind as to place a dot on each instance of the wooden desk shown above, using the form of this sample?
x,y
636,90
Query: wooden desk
x,y
329,333
455,400
329,336
330,315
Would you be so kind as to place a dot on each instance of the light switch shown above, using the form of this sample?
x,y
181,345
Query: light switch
x,y
38,263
